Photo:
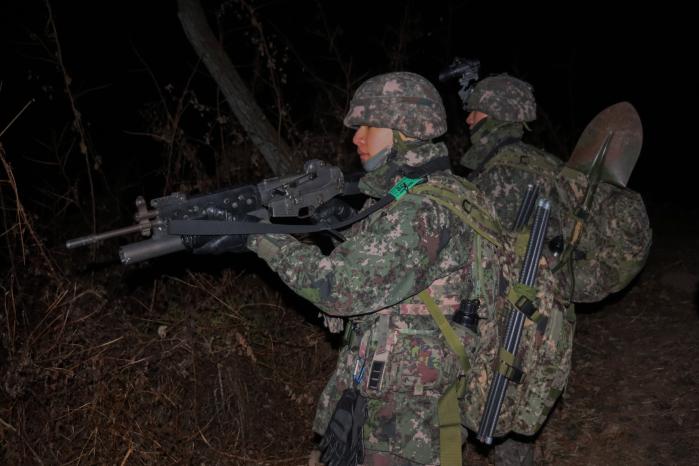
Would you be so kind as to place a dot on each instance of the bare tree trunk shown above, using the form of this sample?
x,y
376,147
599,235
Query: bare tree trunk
x,y
273,148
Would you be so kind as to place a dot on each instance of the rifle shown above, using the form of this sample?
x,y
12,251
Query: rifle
x,y
294,196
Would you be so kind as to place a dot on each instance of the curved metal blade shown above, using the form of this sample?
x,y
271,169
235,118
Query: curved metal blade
x,y
623,121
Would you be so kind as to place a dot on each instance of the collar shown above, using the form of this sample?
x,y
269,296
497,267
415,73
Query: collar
x,y
487,136
401,161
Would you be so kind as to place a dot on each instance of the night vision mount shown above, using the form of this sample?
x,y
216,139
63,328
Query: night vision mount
x,y
466,69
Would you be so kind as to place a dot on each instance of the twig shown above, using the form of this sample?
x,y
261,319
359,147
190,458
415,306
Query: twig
x,y
77,121
16,116
206,290
22,218
126,457
10,317
7,425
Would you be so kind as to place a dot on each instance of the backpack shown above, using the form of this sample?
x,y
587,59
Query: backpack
x,y
615,240
545,348
616,234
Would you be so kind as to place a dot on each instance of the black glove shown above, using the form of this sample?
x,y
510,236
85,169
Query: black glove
x,y
342,444
220,244
334,211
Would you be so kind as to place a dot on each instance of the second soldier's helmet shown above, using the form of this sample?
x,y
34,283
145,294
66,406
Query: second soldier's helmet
x,y
504,98
402,101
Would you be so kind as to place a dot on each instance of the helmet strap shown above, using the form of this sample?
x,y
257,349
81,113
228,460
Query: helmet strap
x,y
402,145
378,159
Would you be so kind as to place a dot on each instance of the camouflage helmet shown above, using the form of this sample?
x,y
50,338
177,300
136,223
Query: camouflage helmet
x,y
504,98
402,101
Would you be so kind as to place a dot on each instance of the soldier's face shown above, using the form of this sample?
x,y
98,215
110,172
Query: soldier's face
x,y
474,117
370,141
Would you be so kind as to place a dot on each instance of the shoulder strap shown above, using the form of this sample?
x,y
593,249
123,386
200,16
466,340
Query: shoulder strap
x,y
465,207
493,152
540,165
448,410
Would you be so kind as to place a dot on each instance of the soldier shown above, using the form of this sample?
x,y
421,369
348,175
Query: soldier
x,y
395,364
408,282
616,237
501,164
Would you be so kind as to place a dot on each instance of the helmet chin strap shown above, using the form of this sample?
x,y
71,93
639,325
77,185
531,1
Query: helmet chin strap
x,y
399,145
377,160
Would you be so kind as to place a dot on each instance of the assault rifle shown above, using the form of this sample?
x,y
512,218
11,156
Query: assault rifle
x,y
294,196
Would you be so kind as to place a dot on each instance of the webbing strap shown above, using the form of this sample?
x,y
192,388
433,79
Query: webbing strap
x,y
522,298
449,334
448,408
472,217
450,426
506,366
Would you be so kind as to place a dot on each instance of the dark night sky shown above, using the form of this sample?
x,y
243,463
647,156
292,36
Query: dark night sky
x,y
580,59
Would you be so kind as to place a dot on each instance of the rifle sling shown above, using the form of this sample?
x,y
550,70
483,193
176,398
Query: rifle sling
x,y
222,227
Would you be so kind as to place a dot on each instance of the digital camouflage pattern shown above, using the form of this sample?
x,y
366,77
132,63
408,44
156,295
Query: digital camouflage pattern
x,y
617,236
545,350
503,97
372,278
544,353
402,101
616,239
487,137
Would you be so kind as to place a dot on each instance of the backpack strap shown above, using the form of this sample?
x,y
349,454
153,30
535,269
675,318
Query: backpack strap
x,y
448,409
465,208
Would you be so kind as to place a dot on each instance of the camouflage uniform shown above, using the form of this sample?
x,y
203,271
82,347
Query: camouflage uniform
x,y
502,166
372,280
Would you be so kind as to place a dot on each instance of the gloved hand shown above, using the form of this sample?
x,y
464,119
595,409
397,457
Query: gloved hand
x,y
334,211
342,444
220,244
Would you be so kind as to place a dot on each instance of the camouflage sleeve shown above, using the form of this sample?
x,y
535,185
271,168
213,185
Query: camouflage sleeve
x,y
398,255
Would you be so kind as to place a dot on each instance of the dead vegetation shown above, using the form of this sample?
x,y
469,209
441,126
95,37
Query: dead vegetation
x,y
214,361
199,369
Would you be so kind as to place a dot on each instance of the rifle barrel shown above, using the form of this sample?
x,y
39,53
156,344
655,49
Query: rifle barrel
x,y
91,239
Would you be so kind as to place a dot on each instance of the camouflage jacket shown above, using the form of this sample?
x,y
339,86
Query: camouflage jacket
x,y
502,166
373,278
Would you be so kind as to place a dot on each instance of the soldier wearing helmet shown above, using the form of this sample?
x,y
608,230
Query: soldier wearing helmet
x,y
380,405
502,166
501,163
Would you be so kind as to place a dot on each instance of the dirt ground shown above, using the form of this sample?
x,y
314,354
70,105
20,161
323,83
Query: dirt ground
x,y
166,365
633,397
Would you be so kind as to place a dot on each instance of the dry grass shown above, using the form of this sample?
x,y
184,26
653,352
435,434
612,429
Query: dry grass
x,y
201,372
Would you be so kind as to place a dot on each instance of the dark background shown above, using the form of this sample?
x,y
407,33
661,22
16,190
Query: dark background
x,y
122,56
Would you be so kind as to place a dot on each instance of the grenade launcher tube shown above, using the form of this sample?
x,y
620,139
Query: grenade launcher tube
x,y
150,248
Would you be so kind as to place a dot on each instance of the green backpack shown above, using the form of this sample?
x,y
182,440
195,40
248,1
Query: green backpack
x,y
615,237
544,352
